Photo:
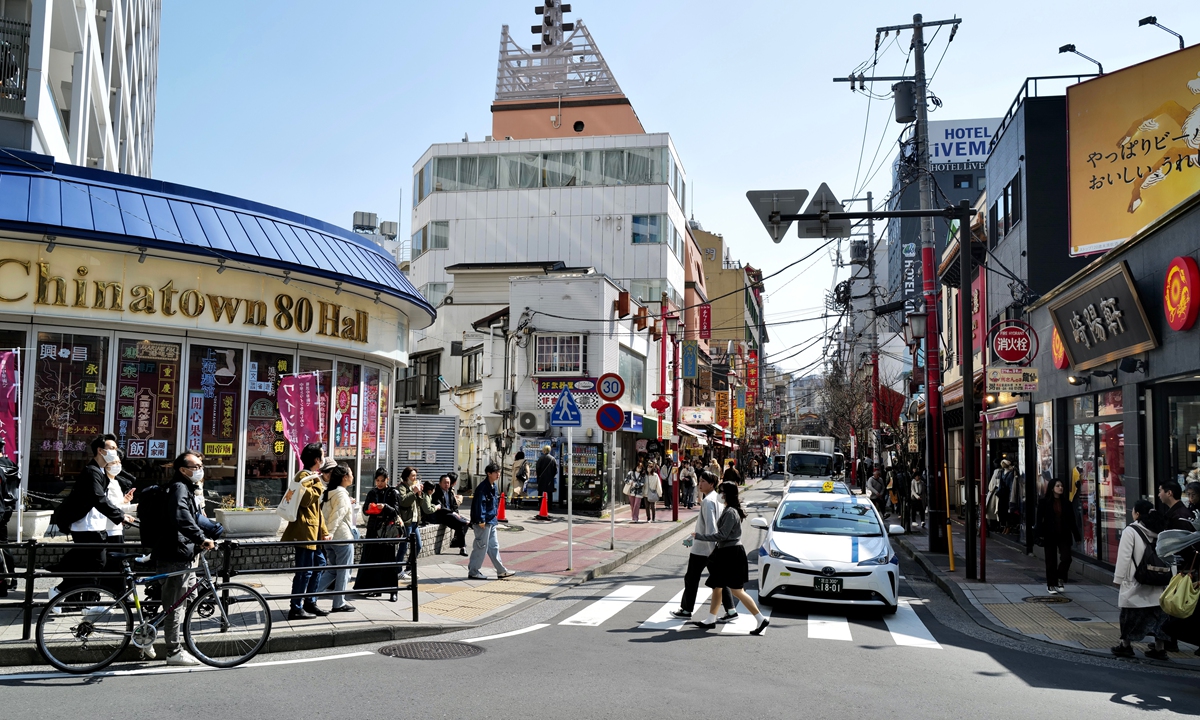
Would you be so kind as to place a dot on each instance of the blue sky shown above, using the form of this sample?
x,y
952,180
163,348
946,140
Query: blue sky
x,y
322,108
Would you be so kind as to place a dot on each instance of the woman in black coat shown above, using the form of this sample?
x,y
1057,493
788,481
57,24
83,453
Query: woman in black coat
x,y
381,524
1056,531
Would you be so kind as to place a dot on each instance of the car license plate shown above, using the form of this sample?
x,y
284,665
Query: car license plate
x,y
827,585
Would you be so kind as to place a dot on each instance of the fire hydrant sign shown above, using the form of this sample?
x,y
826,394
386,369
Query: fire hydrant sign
x,y
1012,344
1011,380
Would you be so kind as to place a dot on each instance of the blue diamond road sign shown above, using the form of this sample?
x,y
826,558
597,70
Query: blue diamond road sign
x,y
566,411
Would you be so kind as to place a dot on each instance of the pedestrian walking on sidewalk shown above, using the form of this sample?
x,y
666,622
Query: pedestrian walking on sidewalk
x,y
732,475
877,491
706,524
727,563
1140,612
1176,514
485,505
687,484
338,512
382,508
547,475
635,482
651,489
916,494
1055,531
309,525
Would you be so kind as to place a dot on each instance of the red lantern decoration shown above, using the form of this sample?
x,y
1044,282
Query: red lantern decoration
x,y
1181,293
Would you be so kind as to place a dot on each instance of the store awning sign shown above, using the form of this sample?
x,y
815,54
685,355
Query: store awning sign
x,y
1102,320
697,415
1012,380
1181,293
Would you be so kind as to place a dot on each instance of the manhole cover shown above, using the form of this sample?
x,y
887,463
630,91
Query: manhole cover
x,y
511,528
431,650
1047,599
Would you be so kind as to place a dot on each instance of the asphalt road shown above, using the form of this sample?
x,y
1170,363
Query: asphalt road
x,y
932,662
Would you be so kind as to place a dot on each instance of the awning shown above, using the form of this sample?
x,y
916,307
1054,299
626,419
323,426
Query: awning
x,y
1006,412
689,431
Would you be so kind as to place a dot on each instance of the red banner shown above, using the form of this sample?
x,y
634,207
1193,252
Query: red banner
x,y
705,315
9,404
298,408
752,379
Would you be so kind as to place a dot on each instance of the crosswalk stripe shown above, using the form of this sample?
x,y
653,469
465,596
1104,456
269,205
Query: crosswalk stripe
x,y
745,622
828,627
662,619
604,608
907,629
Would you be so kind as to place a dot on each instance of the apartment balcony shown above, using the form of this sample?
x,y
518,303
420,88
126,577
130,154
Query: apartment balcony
x,y
14,64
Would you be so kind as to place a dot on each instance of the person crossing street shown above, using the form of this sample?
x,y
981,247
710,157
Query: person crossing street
x,y
706,524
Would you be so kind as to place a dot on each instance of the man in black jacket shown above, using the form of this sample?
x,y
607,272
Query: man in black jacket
x,y
85,512
179,539
447,514
547,473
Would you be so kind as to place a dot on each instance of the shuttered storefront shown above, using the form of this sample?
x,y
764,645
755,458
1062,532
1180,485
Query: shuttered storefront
x,y
427,442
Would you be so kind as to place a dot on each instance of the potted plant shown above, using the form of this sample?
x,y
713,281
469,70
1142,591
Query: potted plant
x,y
33,522
258,521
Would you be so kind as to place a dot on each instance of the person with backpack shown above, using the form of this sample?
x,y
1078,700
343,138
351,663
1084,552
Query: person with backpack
x,y
309,525
167,515
92,506
1142,577
1055,530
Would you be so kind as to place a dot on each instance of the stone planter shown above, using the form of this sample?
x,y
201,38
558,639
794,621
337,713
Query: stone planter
x,y
35,522
249,523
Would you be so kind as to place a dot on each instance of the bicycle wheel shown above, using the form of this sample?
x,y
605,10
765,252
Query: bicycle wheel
x,y
84,630
226,626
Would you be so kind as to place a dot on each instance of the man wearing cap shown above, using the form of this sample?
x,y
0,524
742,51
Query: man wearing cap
x,y
547,473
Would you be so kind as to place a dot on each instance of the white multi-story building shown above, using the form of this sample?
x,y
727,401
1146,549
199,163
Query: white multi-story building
x,y
78,80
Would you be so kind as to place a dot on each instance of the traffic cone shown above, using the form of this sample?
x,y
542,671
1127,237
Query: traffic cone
x,y
544,513
500,516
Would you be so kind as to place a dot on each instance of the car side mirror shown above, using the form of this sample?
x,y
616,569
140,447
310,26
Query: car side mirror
x,y
895,529
760,523
772,504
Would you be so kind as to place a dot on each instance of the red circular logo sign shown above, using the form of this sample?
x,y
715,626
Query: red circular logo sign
x,y
1181,293
1012,344
1058,352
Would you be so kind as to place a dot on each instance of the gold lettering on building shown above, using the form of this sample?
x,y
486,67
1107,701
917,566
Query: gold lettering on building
x,y
222,305
168,297
283,316
348,331
102,296
256,313
329,317
142,299
22,263
81,286
191,303
45,282
304,315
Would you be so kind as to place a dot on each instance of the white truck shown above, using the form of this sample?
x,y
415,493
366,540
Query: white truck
x,y
811,456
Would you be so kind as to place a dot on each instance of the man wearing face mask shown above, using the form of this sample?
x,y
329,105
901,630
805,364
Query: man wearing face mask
x,y
89,511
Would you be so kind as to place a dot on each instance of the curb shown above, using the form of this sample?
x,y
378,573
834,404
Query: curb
x,y
951,588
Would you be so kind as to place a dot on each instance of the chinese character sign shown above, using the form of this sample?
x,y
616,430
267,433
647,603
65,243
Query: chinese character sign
x,y
1102,319
690,351
722,408
704,314
299,411
1132,148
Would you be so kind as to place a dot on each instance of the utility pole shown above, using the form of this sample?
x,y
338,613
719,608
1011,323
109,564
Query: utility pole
x,y
873,337
966,338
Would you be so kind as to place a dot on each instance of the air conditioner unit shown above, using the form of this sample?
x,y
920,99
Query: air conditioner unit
x,y
503,400
531,421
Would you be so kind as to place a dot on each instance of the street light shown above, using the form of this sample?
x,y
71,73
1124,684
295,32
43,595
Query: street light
x,y
1071,49
1151,20
1079,380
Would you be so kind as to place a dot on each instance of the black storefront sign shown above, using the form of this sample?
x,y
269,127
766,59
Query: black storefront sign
x,y
1102,320
720,377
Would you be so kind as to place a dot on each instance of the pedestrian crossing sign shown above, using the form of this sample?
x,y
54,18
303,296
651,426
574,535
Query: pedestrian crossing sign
x,y
566,412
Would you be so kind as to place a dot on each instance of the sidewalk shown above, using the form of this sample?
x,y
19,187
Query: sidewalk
x,y
535,550
1014,599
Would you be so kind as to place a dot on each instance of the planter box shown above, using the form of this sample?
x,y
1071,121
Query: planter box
x,y
249,523
35,522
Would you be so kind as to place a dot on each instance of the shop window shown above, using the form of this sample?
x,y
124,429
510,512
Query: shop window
x,y
213,415
1044,429
147,400
323,369
1184,417
632,368
267,451
69,397
1098,471
369,435
435,292
12,343
385,412
559,354
346,413
471,363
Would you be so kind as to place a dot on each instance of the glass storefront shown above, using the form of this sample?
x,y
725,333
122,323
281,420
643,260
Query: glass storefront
x,y
1098,471
215,386
267,451
1183,461
147,403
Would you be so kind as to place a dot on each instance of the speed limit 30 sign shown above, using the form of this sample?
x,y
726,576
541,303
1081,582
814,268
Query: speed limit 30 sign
x,y
610,387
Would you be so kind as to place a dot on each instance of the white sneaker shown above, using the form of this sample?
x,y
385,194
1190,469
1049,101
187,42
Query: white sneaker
x,y
149,653
183,658
50,595
403,575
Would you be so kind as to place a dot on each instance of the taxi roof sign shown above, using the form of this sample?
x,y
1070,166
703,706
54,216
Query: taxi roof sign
x,y
827,486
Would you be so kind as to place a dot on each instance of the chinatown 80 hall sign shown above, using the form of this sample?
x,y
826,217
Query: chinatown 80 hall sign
x,y
1102,320
94,286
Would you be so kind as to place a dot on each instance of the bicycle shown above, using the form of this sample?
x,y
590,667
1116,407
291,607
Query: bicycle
x,y
86,629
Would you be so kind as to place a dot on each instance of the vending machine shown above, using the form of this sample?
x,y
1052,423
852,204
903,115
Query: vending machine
x,y
590,489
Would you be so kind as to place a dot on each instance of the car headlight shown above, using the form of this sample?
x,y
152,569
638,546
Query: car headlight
x,y
774,551
881,559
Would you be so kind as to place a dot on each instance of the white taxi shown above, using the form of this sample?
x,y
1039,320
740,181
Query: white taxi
x,y
825,547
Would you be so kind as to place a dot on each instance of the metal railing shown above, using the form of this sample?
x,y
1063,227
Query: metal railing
x,y
14,65
226,549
